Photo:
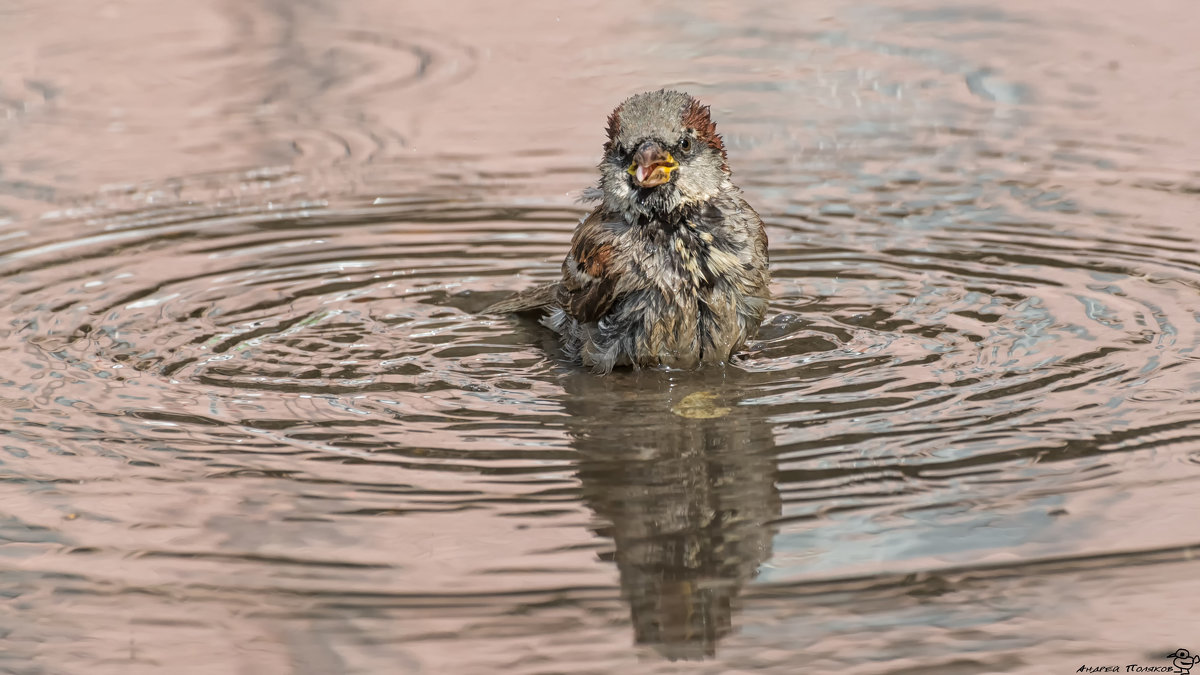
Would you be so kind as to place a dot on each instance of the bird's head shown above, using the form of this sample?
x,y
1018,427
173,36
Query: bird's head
x,y
663,155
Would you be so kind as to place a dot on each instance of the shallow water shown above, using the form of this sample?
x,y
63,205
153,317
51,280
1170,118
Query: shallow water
x,y
256,425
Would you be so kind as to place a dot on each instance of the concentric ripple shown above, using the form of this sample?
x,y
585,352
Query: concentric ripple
x,y
305,298
224,85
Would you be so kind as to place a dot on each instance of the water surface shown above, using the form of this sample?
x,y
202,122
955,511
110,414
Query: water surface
x,y
255,423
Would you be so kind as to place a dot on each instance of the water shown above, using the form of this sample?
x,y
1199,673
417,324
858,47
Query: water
x,y
254,423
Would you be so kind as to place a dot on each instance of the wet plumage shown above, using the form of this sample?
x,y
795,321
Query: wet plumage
x,y
670,268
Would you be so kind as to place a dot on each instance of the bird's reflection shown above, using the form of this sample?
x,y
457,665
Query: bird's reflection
x,y
682,479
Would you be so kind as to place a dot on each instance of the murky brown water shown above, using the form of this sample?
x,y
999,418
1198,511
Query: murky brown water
x,y
254,425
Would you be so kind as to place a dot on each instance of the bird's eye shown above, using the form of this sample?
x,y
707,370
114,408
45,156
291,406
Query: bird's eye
x,y
686,144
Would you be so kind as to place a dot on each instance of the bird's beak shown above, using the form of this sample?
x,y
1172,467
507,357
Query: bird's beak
x,y
652,165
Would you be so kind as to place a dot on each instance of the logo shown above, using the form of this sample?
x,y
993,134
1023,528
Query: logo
x,y
1182,662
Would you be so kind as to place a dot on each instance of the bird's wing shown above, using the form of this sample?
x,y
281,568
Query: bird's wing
x,y
591,273
589,282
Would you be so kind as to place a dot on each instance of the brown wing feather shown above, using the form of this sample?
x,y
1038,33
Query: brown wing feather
x,y
589,278
590,273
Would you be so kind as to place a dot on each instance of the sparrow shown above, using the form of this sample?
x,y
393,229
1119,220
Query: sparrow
x,y
670,267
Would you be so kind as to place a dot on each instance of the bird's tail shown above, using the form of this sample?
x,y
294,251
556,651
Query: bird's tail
x,y
528,300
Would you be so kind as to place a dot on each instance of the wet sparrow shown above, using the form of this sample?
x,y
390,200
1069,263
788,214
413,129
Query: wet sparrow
x,y
670,269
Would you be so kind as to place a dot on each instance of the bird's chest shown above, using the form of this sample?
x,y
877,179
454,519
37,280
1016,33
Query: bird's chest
x,y
690,311
697,270
680,262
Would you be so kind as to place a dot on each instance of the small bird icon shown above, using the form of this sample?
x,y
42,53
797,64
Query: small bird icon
x,y
1184,660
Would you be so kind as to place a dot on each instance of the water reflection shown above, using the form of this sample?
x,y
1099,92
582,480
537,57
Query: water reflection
x,y
684,485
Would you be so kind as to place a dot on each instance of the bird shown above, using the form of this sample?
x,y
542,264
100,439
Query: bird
x,y
670,269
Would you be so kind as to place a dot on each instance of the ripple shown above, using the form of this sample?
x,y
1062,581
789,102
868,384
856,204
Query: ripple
x,y
255,86
336,308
